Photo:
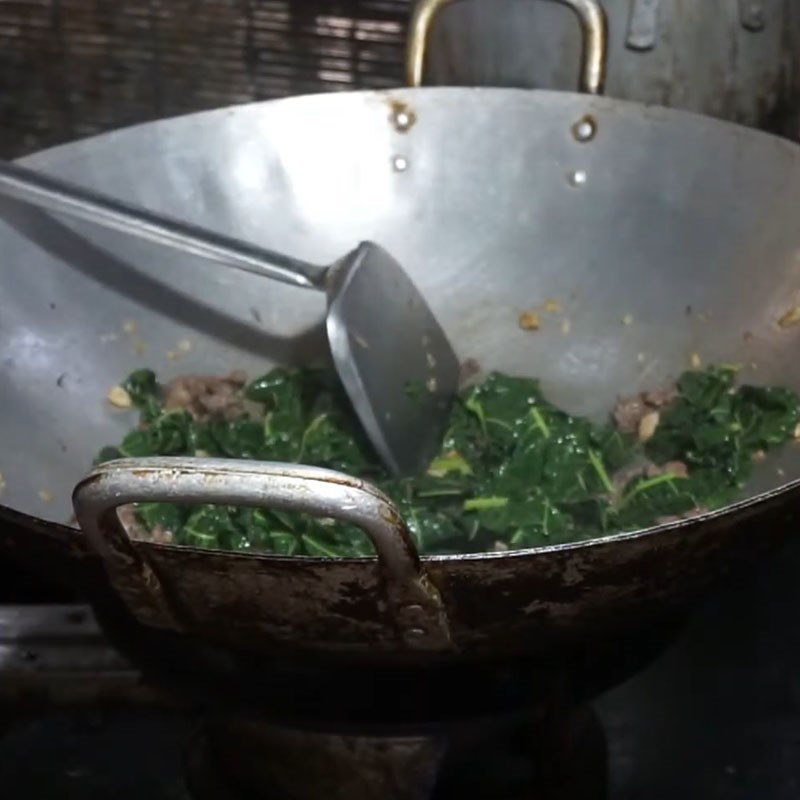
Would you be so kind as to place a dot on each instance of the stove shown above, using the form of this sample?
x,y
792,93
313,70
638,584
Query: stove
x,y
716,716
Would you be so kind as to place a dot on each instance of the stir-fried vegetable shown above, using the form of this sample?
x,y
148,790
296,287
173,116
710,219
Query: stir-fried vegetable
x,y
514,471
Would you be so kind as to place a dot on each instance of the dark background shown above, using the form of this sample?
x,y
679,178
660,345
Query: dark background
x,y
72,68
717,717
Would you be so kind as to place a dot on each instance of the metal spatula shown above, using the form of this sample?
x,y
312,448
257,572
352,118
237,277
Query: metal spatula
x,y
392,356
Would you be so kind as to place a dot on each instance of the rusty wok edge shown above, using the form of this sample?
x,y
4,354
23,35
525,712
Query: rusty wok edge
x,y
486,606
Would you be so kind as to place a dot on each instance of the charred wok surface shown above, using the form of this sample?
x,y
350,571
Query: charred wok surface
x,y
532,607
531,603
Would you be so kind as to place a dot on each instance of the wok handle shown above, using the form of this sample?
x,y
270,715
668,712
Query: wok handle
x,y
594,28
413,600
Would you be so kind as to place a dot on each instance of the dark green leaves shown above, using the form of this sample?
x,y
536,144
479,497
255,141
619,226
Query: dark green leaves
x,y
514,471
142,387
715,427
168,517
167,434
239,438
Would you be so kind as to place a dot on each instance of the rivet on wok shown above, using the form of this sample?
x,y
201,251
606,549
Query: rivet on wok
x,y
402,116
577,178
400,163
402,120
585,129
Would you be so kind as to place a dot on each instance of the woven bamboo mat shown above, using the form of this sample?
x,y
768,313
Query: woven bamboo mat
x,y
72,68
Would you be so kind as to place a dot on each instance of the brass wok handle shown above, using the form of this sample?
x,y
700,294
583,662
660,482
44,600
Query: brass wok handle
x,y
413,600
594,28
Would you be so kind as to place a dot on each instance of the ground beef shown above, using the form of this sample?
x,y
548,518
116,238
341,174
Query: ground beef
x,y
621,478
135,529
658,398
628,411
204,396
644,468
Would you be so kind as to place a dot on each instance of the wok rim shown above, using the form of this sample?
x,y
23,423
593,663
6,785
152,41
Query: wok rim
x,y
785,491
650,111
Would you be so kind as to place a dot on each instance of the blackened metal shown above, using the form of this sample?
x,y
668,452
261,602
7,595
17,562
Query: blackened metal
x,y
262,760
56,656
412,602
496,605
555,751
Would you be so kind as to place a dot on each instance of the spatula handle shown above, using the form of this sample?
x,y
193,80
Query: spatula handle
x,y
53,194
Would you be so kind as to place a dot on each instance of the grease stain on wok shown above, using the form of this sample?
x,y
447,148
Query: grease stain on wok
x,y
402,115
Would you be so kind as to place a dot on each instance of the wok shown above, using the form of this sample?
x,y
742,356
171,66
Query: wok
x,y
688,224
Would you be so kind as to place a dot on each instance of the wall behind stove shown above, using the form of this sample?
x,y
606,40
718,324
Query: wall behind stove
x,y
72,68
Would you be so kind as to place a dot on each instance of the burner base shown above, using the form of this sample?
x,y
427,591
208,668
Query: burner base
x,y
246,759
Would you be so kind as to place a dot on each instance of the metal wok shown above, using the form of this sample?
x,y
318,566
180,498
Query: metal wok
x,y
689,225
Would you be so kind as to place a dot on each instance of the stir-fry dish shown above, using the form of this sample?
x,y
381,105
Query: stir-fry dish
x,y
514,471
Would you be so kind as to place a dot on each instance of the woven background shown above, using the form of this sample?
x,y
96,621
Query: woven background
x,y
71,68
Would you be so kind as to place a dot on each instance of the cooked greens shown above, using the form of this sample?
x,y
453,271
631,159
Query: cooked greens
x,y
514,471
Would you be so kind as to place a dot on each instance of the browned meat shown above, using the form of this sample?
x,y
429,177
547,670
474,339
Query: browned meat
x,y
629,411
621,478
204,396
644,469
160,535
127,517
658,398
135,529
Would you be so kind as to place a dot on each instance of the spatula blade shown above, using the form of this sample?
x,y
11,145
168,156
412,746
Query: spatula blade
x,y
395,361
